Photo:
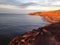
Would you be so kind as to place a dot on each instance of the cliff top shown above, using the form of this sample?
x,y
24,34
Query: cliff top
x,y
51,16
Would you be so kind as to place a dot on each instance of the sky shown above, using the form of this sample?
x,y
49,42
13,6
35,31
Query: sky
x,y
21,6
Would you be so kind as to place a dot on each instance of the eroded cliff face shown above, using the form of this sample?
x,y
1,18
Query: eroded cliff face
x,y
47,35
51,16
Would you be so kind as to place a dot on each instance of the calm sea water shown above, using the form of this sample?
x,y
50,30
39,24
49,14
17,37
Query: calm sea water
x,y
16,24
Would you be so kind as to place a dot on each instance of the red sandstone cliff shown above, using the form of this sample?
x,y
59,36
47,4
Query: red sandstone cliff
x,y
51,16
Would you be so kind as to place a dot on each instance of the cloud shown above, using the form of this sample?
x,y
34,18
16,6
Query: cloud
x,y
42,8
18,10
10,9
13,9
20,6
9,2
41,3
21,2
56,3
48,2
25,1
24,5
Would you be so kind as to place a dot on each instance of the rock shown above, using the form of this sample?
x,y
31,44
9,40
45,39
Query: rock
x,y
50,16
47,35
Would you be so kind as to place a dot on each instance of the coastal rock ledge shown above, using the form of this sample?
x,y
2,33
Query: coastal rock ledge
x,y
47,35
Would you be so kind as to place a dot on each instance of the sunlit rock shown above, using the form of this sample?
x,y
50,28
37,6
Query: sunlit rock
x,y
51,16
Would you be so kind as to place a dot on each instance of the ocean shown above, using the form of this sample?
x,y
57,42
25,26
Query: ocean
x,y
12,25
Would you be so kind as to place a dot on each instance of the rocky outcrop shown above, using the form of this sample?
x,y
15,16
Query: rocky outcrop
x,y
47,35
